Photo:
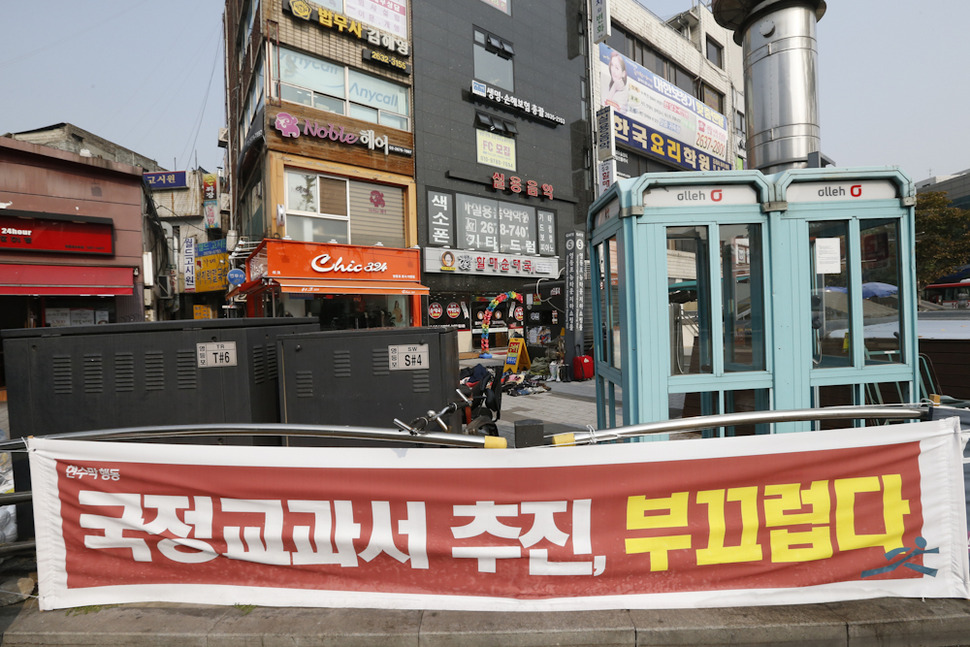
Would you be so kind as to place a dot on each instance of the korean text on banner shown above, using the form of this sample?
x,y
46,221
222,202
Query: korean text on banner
x,y
793,518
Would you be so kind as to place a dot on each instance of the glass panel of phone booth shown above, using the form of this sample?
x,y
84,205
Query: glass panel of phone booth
x,y
742,297
880,292
689,300
831,294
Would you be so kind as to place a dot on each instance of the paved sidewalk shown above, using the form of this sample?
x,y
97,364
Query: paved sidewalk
x,y
896,622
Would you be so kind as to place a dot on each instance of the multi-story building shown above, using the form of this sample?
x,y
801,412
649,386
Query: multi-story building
x,y
956,187
676,88
190,208
71,239
502,137
321,160
382,151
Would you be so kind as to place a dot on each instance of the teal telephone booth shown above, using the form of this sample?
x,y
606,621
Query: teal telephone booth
x,y
734,291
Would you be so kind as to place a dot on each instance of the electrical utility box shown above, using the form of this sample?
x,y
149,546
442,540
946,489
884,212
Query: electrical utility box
x,y
109,376
150,373
367,377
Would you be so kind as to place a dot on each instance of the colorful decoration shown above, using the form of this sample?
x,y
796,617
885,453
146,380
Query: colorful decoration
x,y
494,303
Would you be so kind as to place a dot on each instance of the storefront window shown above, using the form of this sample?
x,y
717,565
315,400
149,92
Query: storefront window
x,y
326,209
311,81
361,311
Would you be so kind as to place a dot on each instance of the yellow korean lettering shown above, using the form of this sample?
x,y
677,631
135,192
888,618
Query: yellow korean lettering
x,y
673,511
790,505
749,550
894,509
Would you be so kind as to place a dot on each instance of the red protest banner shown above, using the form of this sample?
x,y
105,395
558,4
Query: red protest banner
x,y
822,516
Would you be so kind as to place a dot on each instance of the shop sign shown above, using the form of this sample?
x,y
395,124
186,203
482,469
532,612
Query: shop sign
x,y
236,276
390,16
441,218
165,180
605,176
210,204
454,310
490,225
296,260
575,280
210,272
289,126
20,231
667,110
497,96
439,260
188,263
495,150
649,141
517,185
392,62
435,310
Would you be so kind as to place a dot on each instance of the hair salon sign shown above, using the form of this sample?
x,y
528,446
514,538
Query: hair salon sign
x,y
288,125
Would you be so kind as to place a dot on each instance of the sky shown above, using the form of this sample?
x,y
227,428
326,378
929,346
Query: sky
x,y
147,75
144,74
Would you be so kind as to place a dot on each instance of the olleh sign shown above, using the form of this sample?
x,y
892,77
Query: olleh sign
x,y
792,518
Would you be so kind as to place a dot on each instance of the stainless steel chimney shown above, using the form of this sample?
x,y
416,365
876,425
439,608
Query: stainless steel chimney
x,y
780,78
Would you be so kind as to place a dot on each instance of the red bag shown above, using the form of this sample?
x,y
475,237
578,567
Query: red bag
x,y
582,367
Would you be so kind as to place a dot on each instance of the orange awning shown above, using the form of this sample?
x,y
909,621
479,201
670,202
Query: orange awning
x,y
317,286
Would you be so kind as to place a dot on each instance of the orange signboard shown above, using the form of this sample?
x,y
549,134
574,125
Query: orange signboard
x,y
299,260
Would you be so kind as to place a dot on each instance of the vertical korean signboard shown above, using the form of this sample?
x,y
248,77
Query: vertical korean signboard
x,y
210,203
188,264
575,290
441,215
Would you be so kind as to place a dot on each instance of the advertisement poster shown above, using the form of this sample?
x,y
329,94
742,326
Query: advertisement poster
x,y
758,520
648,99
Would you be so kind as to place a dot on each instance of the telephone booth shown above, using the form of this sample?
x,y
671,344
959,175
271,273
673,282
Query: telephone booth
x,y
734,291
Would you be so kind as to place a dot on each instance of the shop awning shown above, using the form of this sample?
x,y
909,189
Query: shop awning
x,y
66,280
317,286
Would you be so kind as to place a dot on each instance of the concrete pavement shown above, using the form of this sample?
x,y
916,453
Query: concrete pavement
x,y
896,622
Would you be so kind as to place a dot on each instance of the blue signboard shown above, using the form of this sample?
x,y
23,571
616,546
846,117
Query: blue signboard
x,y
652,142
236,276
212,247
165,180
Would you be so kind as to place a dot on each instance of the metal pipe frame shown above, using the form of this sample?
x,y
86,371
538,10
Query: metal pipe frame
x,y
698,423
274,429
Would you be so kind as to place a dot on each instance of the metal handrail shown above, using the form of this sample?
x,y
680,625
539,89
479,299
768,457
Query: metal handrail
x,y
270,429
887,412
697,423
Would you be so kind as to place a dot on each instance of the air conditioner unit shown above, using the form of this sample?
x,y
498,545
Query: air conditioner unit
x,y
223,138
166,287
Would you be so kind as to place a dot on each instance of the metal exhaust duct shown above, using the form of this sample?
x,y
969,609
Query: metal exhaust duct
x,y
780,78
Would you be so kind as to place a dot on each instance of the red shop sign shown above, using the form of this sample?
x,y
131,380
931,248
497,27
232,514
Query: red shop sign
x,y
77,235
